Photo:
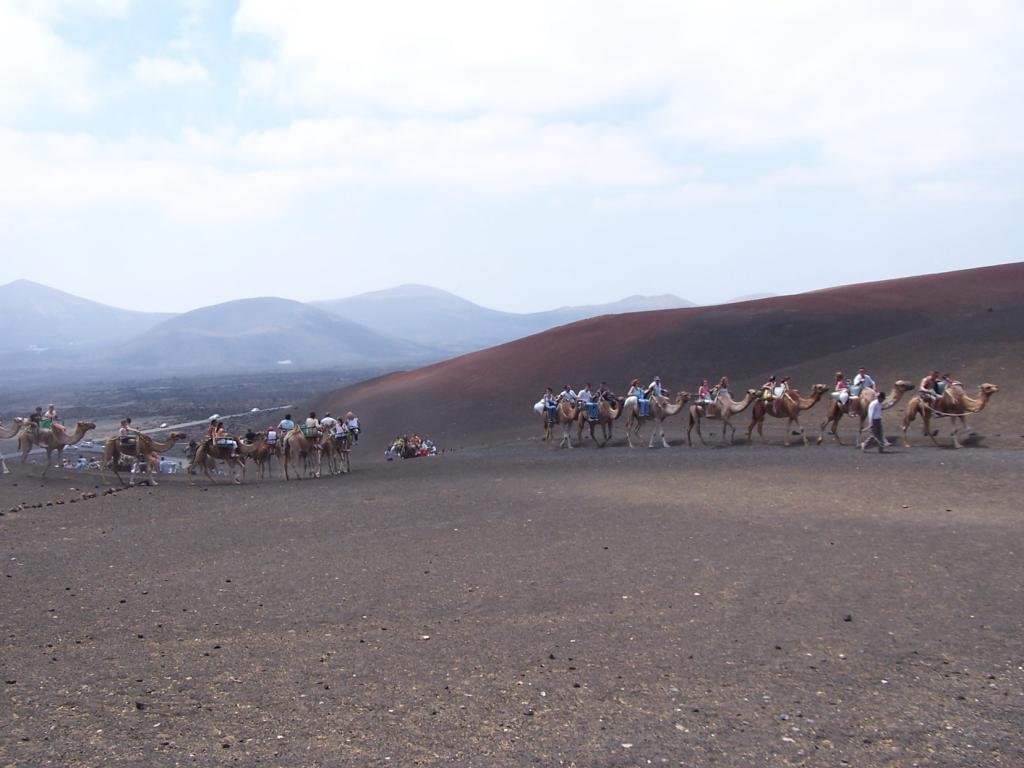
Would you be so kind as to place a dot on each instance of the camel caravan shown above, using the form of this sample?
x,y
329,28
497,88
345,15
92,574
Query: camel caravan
x,y
860,399
307,449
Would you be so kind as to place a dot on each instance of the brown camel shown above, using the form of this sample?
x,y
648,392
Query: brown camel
x,y
209,453
659,410
298,447
565,416
261,454
954,403
50,439
6,433
787,407
337,451
139,448
858,407
607,414
723,408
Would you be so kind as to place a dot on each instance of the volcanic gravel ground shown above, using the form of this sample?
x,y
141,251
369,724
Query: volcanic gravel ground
x,y
518,605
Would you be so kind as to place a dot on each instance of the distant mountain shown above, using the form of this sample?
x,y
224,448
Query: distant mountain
x,y
39,319
264,334
436,318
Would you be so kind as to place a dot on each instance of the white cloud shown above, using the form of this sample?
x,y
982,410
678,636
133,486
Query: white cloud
x,y
164,70
873,90
37,67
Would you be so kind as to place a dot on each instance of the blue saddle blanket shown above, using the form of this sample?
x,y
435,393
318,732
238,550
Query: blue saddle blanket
x,y
551,412
645,406
593,411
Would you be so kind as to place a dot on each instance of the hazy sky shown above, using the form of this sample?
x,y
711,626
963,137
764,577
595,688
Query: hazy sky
x,y
166,155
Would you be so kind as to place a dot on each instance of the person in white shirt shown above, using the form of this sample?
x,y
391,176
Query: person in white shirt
x,y
312,425
568,395
353,425
875,419
328,421
585,395
655,388
861,380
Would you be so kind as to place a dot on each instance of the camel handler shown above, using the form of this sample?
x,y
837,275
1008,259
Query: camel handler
x,y
875,419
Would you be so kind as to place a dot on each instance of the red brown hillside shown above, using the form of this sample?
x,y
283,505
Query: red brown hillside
x,y
970,322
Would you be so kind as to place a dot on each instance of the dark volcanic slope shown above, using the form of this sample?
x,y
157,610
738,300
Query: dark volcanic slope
x,y
969,322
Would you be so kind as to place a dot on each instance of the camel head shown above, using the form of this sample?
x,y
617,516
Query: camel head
x,y
820,389
178,436
84,426
752,392
988,389
903,385
682,397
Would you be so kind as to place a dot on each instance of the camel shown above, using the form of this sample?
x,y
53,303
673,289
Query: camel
x,y
337,450
566,415
140,449
660,409
297,446
954,403
50,439
261,453
858,407
786,407
723,408
607,414
6,433
209,453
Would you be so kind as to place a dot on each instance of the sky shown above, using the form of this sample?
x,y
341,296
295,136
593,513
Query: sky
x,y
165,155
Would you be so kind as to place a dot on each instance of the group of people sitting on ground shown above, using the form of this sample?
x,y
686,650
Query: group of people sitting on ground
x,y
410,447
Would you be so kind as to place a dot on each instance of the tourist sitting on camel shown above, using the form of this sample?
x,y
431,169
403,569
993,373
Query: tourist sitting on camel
x,y
841,390
312,425
722,388
704,393
222,438
861,380
567,394
656,389
768,389
49,420
781,391
585,395
353,425
328,421
286,424
929,387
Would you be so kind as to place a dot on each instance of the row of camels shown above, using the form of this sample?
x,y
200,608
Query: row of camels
x,y
954,403
300,455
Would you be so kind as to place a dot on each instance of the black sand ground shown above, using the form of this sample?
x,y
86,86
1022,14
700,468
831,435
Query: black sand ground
x,y
512,606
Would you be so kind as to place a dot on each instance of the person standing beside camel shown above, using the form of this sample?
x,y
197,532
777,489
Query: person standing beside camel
x,y
875,419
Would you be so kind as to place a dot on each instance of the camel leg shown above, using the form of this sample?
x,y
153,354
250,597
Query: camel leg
x,y
803,434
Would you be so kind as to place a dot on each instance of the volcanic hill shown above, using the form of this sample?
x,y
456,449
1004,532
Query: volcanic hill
x,y
969,322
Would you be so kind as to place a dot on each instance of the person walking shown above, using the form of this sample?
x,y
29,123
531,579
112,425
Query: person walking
x,y
875,419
